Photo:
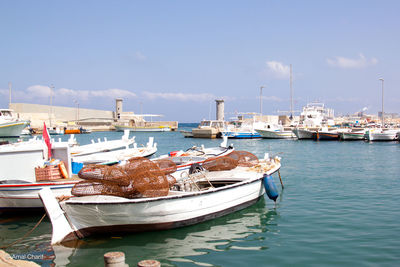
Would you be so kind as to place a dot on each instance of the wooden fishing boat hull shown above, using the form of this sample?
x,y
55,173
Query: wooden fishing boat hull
x,y
326,136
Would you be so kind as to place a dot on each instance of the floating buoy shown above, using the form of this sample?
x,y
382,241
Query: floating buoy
x,y
270,187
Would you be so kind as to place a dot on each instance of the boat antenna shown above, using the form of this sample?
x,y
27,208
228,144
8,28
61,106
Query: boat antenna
x,y
291,93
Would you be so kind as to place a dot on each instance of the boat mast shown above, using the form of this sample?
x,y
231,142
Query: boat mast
x,y
291,94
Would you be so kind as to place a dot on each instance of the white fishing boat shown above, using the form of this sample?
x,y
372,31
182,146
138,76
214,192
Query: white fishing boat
x,y
353,134
313,116
102,145
205,195
209,129
191,160
243,128
11,126
20,164
304,133
276,131
116,156
378,134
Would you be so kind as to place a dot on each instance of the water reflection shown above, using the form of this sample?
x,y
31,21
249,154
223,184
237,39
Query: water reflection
x,y
242,230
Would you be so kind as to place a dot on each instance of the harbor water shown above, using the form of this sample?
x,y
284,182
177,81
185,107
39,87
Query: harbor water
x,y
340,206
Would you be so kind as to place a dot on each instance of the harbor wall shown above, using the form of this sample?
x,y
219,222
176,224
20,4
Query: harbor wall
x,y
72,117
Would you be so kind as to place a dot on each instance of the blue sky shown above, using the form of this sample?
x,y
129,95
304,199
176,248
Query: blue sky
x,y
176,57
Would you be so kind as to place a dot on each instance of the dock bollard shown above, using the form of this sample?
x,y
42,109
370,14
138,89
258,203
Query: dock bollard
x,y
115,259
149,263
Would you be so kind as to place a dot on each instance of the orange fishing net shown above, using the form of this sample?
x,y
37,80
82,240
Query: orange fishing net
x,y
231,161
139,177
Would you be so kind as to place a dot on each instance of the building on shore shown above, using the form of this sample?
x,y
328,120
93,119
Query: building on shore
x,y
72,117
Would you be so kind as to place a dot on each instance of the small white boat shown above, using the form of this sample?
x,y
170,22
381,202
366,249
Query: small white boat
x,y
243,128
304,133
274,131
209,129
354,134
188,161
19,185
102,146
204,196
378,134
116,156
11,126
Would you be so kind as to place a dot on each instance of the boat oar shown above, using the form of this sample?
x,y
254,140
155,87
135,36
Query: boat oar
x,y
279,173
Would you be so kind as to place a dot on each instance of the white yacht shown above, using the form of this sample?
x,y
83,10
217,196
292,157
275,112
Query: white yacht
x,y
11,126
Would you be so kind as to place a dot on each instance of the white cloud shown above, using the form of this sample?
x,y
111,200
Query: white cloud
x,y
114,92
4,92
38,91
139,56
277,70
272,98
65,94
180,96
350,63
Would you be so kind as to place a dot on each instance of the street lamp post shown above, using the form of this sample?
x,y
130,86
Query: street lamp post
x,y
383,116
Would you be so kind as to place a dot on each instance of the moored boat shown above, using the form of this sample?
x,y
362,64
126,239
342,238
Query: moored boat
x,y
354,134
209,129
11,126
276,132
117,156
378,134
304,133
23,175
203,196
326,134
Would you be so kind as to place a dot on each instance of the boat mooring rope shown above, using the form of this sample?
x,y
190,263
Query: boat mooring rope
x,y
25,235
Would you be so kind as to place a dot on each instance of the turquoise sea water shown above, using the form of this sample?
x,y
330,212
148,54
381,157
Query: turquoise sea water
x,y
340,206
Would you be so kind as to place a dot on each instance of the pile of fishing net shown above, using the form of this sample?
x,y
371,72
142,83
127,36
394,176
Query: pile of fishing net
x,y
139,177
231,161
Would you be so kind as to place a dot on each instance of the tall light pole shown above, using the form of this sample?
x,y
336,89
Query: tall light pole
x,y
261,99
383,117
51,102
77,110
9,89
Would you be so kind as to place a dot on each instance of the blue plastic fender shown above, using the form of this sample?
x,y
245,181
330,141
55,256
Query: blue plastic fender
x,y
270,187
